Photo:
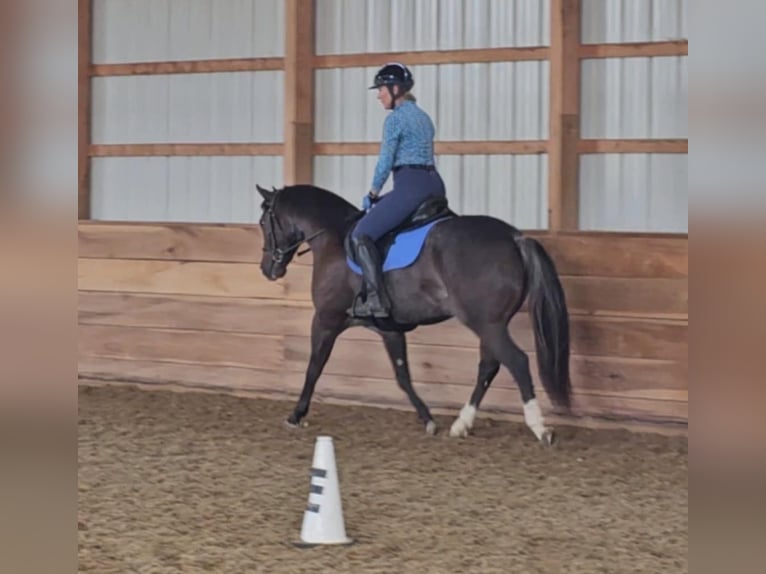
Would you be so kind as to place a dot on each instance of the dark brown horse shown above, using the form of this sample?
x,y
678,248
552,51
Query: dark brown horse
x,y
477,269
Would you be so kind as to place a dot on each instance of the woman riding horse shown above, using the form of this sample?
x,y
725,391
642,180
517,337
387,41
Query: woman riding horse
x,y
407,149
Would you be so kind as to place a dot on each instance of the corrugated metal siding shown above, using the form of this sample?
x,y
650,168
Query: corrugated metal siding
x,y
498,101
641,97
634,192
185,108
196,189
164,30
221,107
606,21
354,26
634,98
513,188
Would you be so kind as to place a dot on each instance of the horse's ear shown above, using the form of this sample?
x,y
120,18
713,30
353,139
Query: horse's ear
x,y
265,193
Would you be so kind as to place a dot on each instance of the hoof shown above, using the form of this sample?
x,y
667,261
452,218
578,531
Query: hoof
x,y
459,429
431,428
291,424
547,437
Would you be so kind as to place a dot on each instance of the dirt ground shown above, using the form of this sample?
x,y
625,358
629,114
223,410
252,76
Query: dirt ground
x,y
183,482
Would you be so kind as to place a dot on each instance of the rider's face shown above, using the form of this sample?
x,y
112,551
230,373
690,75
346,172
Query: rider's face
x,y
384,96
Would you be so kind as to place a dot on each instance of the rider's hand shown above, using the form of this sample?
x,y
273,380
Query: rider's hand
x,y
369,199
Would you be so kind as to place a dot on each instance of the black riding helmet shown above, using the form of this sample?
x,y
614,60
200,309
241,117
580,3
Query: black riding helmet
x,y
394,74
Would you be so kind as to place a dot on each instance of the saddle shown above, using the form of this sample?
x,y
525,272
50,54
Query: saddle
x,y
430,210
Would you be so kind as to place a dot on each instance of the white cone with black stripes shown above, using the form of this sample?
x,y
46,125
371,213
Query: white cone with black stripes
x,y
323,518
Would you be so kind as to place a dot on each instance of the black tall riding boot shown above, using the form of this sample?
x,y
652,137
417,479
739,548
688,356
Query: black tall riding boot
x,y
377,303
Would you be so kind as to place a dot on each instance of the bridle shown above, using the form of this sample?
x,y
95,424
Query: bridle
x,y
277,253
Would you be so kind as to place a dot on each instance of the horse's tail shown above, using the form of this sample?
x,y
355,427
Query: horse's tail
x,y
550,320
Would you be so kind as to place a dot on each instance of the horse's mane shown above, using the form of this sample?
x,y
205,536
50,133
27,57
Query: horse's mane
x,y
328,209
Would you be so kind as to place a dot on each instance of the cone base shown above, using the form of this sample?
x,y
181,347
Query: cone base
x,y
302,544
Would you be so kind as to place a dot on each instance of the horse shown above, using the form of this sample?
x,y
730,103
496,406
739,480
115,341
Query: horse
x,y
477,269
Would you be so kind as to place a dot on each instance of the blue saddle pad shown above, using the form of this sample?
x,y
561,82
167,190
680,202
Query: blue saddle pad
x,y
404,249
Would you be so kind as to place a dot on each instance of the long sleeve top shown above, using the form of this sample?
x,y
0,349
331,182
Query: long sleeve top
x,y
408,136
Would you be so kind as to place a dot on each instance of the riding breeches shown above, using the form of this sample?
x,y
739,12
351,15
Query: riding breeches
x,y
412,186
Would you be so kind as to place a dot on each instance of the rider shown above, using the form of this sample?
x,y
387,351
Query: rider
x,y
407,149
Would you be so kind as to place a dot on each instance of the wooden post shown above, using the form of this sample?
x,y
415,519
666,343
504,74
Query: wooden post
x,y
83,107
299,92
563,158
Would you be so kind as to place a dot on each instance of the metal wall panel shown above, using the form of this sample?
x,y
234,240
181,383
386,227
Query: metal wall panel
x,y
607,21
199,108
634,192
634,98
513,188
194,189
498,101
163,30
355,26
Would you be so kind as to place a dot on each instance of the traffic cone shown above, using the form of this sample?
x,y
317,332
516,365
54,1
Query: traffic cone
x,y
323,518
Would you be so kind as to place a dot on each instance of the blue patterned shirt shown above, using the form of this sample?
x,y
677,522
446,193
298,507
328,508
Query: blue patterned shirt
x,y
408,135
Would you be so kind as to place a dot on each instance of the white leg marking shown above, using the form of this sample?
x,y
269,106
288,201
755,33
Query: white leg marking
x,y
464,422
534,419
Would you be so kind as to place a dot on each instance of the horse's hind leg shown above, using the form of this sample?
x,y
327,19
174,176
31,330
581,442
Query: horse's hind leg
x,y
396,346
516,361
488,368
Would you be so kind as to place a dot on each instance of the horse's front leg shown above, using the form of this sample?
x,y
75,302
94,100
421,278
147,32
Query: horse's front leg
x,y
323,339
396,346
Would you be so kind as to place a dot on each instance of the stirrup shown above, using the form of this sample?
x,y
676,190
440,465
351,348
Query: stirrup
x,y
363,309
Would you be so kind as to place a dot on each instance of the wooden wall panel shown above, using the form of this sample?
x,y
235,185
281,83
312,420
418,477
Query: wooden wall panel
x,y
598,336
363,389
187,305
597,295
579,253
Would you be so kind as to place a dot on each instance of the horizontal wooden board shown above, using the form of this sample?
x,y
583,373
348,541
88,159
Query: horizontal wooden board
x,y
600,336
185,149
592,295
595,295
619,255
360,390
625,296
257,316
635,49
654,145
459,365
178,242
193,278
473,147
204,347
423,57
188,67
581,253
456,365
